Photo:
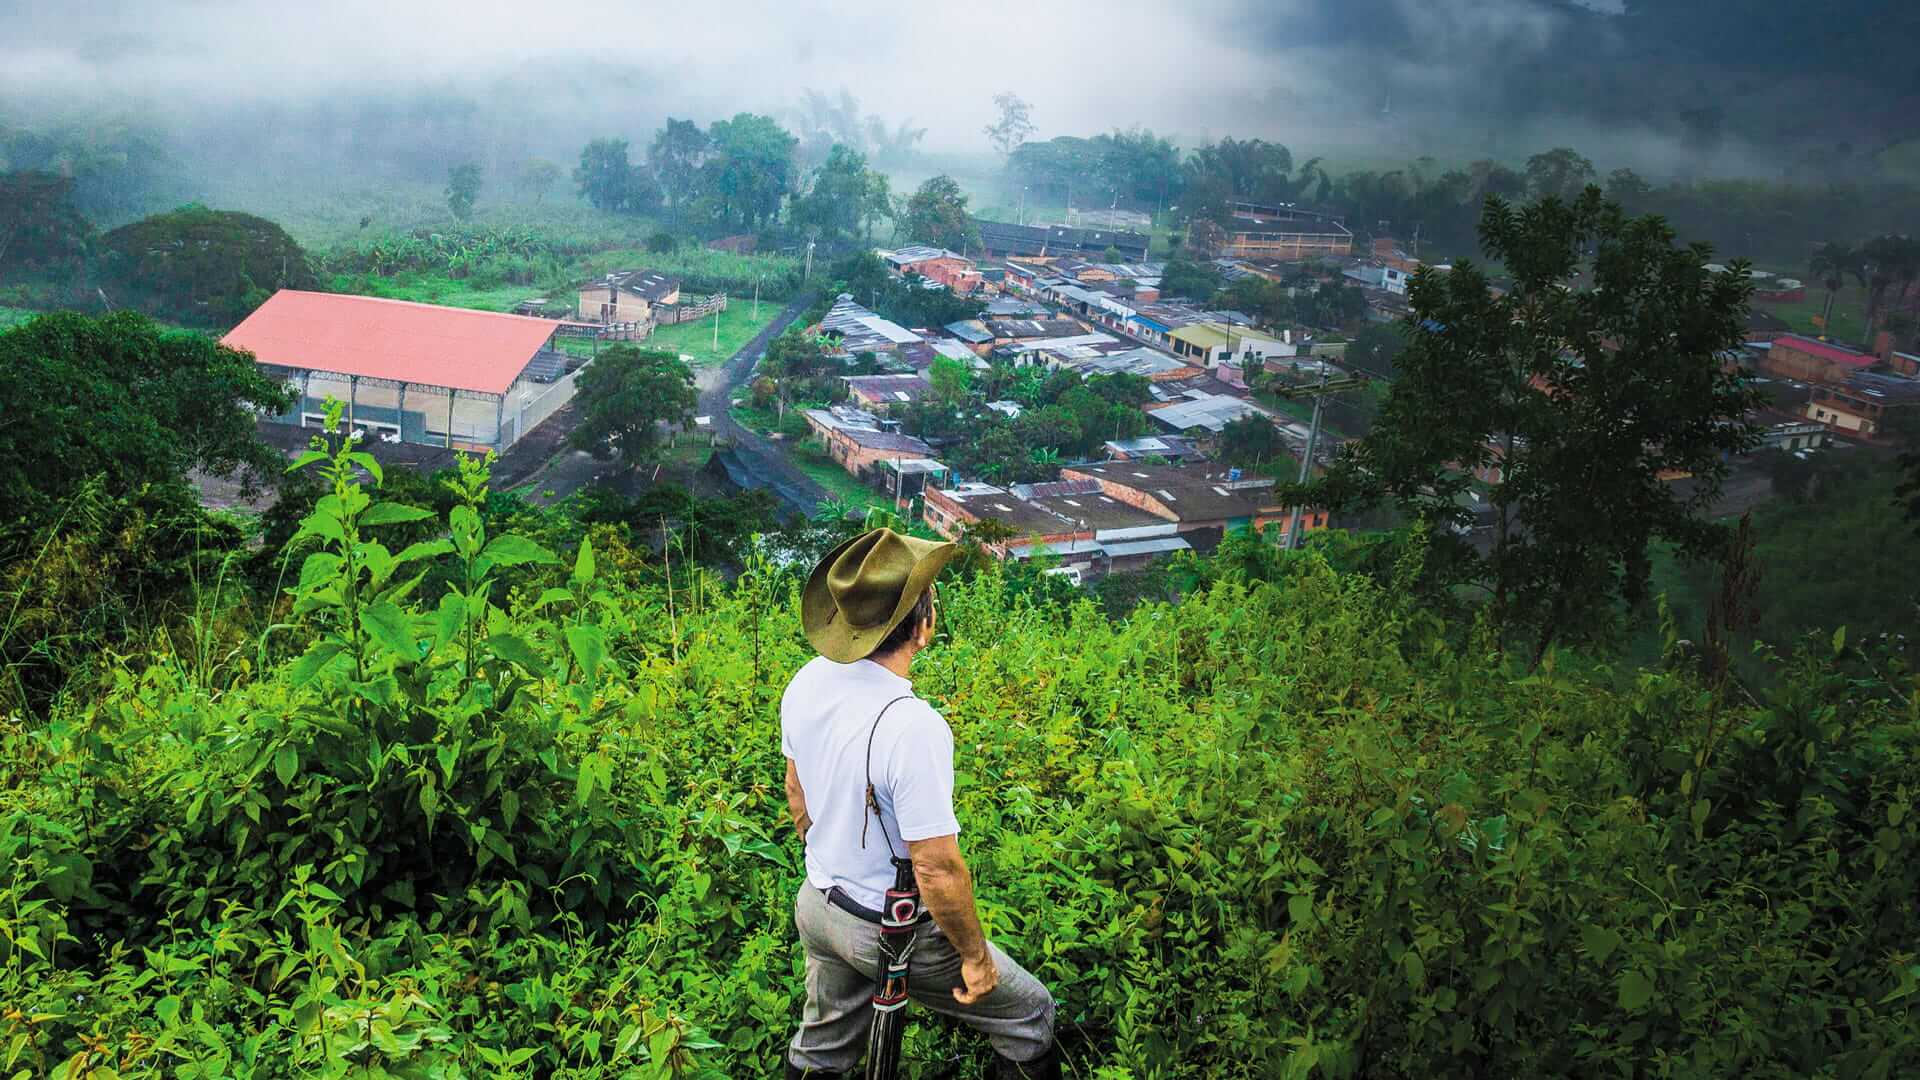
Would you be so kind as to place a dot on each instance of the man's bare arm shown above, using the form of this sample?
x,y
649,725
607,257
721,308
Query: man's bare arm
x,y
946,887
797,802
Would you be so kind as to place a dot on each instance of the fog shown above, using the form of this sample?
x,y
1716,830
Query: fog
x,y
366,85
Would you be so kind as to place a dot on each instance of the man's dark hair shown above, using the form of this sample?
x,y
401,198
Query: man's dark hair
x,y
898,637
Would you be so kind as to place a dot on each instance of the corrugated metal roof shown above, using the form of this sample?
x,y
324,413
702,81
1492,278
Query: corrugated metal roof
x,y
1145,547
479,351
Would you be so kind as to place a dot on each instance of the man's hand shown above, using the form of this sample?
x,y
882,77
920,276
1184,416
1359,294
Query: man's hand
x,y
979,976
797,803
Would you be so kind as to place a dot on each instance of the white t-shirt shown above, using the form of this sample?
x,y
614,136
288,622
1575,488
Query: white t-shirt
x,y
825,716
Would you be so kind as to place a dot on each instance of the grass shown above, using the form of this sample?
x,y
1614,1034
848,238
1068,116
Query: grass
x,y
433,288
811,458
13,316
1849,312
760,420
695,340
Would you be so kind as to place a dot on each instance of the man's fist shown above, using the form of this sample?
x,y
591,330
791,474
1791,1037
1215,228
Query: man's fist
x,y
979,976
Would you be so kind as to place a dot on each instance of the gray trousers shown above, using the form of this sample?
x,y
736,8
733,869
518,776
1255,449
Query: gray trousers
x,y
843,960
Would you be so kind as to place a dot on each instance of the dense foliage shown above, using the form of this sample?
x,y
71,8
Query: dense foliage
x,y
529,823
120,403
202,267
627,394
1573,403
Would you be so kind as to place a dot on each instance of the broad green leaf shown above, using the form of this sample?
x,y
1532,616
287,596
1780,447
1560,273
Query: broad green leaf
x,y
512,550
589,647
425,549
467,531
552,596
515,649
310,662
1599,941
390,626
1300,909
306,459
1839,640
583,782
583,562
390,513
286,764
367,462
447,618
1635,990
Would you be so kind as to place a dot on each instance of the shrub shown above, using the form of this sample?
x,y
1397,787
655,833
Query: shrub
x,y
532,825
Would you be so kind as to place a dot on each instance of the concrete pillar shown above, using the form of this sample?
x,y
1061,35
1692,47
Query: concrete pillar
x,y
353,388
449,417
499,423
400,413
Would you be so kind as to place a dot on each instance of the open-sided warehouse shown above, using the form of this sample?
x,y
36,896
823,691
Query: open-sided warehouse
x,y
407,372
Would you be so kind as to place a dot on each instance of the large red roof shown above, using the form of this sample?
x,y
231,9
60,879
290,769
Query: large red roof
x,y
1824,350
481,351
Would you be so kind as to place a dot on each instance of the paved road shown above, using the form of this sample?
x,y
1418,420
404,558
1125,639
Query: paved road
x,y
752,461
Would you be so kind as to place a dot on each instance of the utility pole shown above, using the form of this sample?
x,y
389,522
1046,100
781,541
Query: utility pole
x,y
1319,392
808,275
756,296
716,331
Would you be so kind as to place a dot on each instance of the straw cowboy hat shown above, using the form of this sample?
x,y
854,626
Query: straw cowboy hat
x,y
864,587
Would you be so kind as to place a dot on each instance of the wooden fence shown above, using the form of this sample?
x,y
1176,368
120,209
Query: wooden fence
x,y
670,314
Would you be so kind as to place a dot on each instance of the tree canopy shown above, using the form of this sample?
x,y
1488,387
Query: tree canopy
x,y
1581,405
937,214
40,229
627,395
202,267
124,403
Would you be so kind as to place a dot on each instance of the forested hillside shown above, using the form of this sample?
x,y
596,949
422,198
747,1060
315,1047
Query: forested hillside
x,y
459,804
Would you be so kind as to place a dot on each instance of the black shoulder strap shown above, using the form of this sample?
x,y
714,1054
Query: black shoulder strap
x,y
873,804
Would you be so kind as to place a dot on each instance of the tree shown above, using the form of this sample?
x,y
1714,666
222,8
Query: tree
x,y
1558,173
837,201
40,229
1196,281
1252,442
1625,187
951,380
626,394
751,169
604,175
1236,170
937,214
120,401
678,153
537,177
463,186
1585,399
202,267
1375,348
1831,263
1014,125
876,203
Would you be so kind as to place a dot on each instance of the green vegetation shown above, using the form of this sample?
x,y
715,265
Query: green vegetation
x,y
627,395
696,339
487,803
428,287
202,267
811,458
12,316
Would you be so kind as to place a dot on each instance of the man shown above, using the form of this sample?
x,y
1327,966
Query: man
x,y
849,720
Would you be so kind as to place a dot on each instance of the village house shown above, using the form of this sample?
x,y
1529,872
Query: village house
x,y
627,296
407,372
1859,406
1087,530
1201,413
1791,356
1204,500
1289,238
1150,364
858,330
1171,449
1210,343
1006,239
972,333
949,268
884,392
860,442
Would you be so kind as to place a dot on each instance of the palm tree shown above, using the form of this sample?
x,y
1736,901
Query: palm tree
x,y
1044,457
1831,262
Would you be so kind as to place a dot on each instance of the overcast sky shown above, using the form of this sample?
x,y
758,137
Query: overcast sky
x,y
1279,68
